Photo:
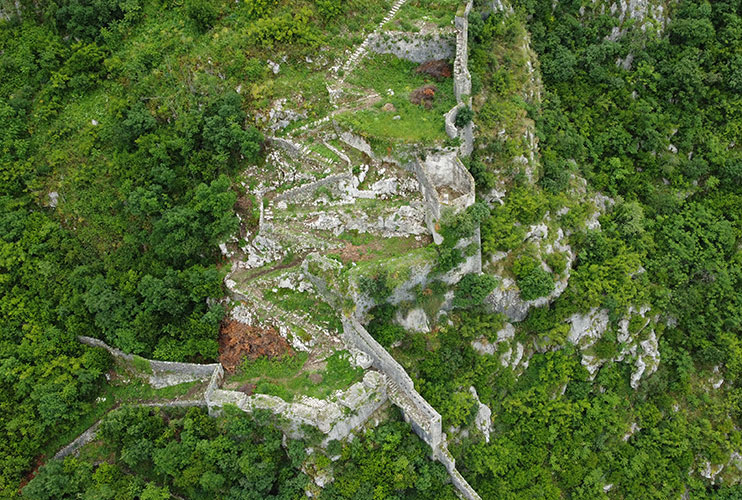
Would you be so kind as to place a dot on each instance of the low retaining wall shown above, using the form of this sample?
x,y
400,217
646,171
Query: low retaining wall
x,y
163,373
306,191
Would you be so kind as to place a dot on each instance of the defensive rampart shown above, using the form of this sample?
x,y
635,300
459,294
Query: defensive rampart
x,y
424,419
160,373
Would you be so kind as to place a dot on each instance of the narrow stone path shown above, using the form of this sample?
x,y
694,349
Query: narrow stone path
x,y
360,52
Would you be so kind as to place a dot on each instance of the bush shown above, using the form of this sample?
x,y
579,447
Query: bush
x,y
557,261
473,289
377,287
533,281
381,326
329,8
464,117
499,233
202,12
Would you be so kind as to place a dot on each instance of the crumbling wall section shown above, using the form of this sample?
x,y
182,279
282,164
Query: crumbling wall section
x,y
424,419
336,416
461,83
464,488
461,75
304,192
163,373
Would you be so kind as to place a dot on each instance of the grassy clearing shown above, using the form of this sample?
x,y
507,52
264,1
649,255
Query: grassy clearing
x,y
288,377
372,247
438,12
415,123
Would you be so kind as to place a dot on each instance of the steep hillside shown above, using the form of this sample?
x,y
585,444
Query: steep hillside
x,y
400,249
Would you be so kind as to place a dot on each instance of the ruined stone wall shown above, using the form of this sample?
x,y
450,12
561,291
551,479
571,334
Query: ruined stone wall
x,y
461,75
444,171
336,416
430,198
413,47
306,191
461,83
464,488
424,419
163,373
357,142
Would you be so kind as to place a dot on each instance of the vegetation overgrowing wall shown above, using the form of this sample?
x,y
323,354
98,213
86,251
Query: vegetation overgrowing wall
x,y
424,419
160,373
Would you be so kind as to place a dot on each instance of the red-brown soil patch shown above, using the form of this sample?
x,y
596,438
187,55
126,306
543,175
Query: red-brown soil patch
x,y
238,341
424,95
247,389
438,69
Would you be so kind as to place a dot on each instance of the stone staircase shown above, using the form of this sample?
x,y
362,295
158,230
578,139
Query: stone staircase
x,y
362,49
310,126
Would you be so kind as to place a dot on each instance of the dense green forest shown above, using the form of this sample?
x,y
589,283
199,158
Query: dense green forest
x,y
126,125
237,456
122,137
662,139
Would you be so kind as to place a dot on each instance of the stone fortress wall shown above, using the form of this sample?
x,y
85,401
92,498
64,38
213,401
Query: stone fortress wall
x,y
444,181
162,373
336,416
424,419
414,47
461,82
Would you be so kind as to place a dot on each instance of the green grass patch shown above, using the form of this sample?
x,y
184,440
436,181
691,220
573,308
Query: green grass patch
x,y
284,367
142,365
287,378
438,12
415,123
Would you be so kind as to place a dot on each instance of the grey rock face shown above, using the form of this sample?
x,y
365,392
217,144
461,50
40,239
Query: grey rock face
x,y
415,320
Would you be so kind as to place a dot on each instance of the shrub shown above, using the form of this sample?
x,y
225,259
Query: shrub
x,y
533,281
329,8
464,117
473,289
377,287
557,261
500,233
202,12
381,326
